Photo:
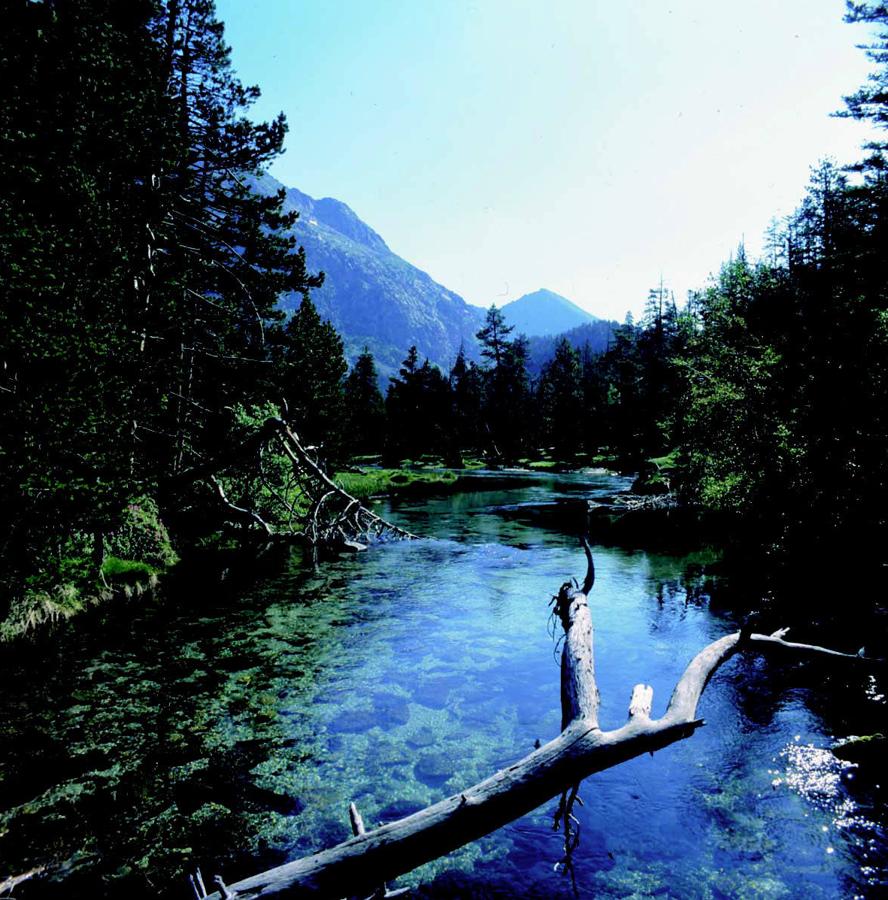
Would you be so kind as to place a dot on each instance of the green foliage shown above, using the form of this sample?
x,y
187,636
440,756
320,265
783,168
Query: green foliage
x,y
418,410
311,378
493,337
263,482
364,407
728,420
141,278
142,536
467,396
126,570
560,397
72,164
141,335
505,389
378,482
783,414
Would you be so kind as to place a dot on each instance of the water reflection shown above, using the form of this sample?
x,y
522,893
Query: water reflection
x,y
231,730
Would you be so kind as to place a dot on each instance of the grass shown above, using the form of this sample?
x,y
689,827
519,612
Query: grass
x,y
375,482
126,570
669,462
38,608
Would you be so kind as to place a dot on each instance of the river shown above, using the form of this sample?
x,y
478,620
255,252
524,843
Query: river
x,y
228,724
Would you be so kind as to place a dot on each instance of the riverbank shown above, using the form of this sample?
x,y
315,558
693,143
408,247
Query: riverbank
x,y
140,554
230,725
92,570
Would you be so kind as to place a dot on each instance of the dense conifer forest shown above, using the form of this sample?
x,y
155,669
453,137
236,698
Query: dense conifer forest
x,y
178,416
141,340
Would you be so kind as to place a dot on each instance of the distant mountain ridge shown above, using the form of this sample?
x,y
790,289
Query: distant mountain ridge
x,y
594,337
336,215
545,313
372,296
377,300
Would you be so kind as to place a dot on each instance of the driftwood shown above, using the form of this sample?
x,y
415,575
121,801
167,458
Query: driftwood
x,y
8,885
357,867
333,517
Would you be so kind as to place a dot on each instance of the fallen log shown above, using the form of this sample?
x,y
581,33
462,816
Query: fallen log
x,y
334,517
352,518
358,866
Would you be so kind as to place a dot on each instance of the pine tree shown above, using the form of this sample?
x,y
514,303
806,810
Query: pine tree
x,y
418,406
311,380
78,111
494,335
561,401
364,406
870,102
467,391
222,254
141,271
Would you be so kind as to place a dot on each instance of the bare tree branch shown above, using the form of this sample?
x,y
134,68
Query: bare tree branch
x,y
373,857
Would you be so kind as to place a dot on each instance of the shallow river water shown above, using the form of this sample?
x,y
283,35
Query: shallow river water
x,y
228,725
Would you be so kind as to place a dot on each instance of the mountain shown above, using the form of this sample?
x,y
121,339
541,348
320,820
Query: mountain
x,y
545,312
594,337
372,296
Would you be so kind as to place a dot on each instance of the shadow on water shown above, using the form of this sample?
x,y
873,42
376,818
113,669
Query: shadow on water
x,y
228,725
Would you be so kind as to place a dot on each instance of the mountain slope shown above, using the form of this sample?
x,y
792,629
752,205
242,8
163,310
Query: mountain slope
x,y
545,312
372,296
593,337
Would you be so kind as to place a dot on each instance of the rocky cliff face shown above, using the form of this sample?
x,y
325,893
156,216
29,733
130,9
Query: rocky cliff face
x,y
372,296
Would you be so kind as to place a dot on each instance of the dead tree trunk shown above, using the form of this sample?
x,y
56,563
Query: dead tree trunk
x,y
358,866
333,517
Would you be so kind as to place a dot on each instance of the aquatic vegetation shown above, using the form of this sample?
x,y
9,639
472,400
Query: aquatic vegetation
x,y
231,728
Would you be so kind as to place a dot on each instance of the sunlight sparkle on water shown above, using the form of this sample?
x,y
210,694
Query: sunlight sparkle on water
x,y
815,773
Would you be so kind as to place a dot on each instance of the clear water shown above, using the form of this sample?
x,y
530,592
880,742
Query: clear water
x,y
229,726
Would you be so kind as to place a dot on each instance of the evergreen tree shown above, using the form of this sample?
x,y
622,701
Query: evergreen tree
x,y
623,374
506,388
561,401
222,255
79,107
729,422
418,408
141,272
594,389
311,380
365,406
494,336
467,390
509,400
870,102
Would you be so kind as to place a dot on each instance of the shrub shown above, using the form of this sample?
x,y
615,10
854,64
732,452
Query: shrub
x,y
142,536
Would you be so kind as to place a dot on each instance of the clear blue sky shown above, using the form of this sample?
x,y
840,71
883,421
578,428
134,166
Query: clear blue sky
x,y
579,145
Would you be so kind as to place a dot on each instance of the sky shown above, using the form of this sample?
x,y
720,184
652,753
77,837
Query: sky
x,y
583,146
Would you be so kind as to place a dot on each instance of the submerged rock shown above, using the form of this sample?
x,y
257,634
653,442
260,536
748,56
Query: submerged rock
x,y
391,710
433,769
422,737
274,801
434,691
354,721
399,810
